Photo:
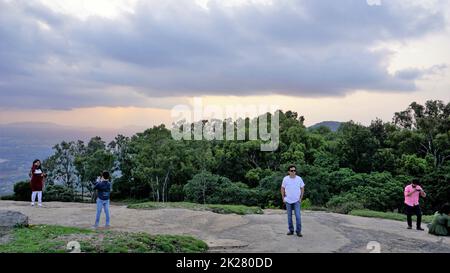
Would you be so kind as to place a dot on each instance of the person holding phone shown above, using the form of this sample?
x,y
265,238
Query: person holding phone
x,y
37,182
103,188
412,194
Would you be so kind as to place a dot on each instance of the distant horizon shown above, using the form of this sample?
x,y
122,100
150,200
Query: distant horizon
x,y
132,126
114,64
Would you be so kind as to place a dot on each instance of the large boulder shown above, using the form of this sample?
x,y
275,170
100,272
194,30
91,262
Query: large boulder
x,y
10,219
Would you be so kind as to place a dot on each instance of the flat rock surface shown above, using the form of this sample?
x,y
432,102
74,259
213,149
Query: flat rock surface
x,y
323,231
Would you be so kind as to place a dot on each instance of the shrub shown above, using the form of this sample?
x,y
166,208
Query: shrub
x,y
7,197
202,187
269,188
214,189
345,203
306,204
57,193
22,191
237,193
176,193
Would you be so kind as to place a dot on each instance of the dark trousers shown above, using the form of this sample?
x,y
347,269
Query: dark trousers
x,y
413,210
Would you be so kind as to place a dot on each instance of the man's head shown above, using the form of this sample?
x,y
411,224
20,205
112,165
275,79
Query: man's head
x,y
292,170
105,175
415,182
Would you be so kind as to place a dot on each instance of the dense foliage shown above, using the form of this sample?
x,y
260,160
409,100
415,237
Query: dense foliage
x,y
355,167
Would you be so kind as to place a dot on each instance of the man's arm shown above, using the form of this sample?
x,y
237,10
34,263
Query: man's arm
x,y
283,193
302,193
423,194
408,192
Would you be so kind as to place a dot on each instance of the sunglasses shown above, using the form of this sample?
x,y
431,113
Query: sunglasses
x,y
292,171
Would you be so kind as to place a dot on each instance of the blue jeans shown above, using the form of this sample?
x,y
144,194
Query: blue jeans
x,y
298,219
102,204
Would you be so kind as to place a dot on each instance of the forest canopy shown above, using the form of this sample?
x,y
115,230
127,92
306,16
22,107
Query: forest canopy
x,y
354,167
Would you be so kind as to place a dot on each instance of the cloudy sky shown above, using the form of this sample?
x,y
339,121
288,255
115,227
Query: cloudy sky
x,y
116,63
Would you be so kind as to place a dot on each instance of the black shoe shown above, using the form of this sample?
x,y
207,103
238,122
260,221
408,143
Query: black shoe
x,y
409,227
299,235
290,233
419,228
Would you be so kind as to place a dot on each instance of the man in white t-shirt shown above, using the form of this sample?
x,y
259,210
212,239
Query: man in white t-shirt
x,y
292,190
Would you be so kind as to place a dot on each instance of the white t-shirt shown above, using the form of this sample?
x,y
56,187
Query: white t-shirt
x,y
292,188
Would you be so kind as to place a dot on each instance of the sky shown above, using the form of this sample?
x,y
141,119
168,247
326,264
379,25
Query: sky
x,y
119,63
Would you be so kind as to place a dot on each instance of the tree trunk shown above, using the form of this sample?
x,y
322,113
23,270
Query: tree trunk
x,y
165,185
204,192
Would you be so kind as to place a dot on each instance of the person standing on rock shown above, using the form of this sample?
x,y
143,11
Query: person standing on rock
x,y
412,194
37,182
292,191
103,188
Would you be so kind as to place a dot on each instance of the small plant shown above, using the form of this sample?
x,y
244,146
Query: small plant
x,y
306,204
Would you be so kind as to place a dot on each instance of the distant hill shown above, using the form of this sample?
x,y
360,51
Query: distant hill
x,y
333,125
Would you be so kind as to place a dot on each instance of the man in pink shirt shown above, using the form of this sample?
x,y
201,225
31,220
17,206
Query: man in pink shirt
x,y
412,194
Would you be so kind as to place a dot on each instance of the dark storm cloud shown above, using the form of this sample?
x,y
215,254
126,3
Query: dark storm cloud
x,y
176,48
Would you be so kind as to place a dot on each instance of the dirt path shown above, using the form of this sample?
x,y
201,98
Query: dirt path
x,y
323,232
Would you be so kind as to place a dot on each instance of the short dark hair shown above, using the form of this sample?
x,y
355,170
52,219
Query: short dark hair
x,y
445,209
415,181
105,175
291,166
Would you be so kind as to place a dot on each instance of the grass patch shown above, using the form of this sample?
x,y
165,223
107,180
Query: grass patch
x,y
39,239
54,239
222,209
128,201
125,242
388,215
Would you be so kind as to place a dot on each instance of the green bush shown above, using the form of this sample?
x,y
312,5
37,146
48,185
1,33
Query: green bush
x,y
214,189
22,191
202,187
306,204
237,193
57,193
7,197
345,203
176,193
269,188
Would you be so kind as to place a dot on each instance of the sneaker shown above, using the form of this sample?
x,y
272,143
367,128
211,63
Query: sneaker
x,y
419,228
40,205
409,227
290,233
32,204
94,227
299,235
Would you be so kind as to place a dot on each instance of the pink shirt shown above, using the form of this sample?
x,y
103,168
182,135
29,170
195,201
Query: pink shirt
x,y
413,199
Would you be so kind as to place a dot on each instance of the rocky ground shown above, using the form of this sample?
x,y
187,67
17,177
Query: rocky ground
x,y
323,231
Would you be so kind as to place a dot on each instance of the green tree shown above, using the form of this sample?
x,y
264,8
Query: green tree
x,y
356,147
